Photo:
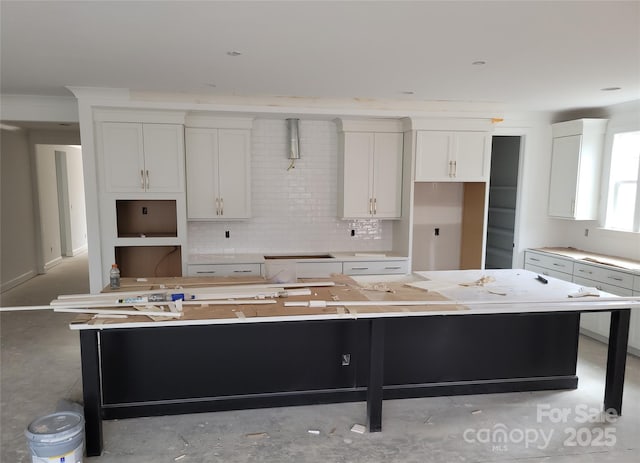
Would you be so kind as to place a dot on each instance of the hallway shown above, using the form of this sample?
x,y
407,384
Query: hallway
x,y
70,276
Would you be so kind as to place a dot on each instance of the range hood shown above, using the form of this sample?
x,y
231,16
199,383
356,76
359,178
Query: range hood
x,y
294,139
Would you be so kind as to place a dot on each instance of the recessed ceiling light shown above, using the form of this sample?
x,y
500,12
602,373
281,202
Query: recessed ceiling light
x,y
610,89
479,63
233,53
408,92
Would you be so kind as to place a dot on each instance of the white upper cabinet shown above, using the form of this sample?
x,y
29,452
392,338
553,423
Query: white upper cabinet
x,y
574,187
218,173
370,173
452,156
140,157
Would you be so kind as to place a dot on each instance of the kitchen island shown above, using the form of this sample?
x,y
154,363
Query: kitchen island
x,y
457,340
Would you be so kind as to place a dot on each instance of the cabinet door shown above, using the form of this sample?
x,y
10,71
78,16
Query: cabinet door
x,y
387,175
164,158
433,156
234,173
358,170
564,170
470,160
202,168
123,157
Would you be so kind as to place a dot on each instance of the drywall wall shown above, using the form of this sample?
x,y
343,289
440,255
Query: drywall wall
x,y
47,188
17,232
292,210
77,211
60,184
588,235
437,206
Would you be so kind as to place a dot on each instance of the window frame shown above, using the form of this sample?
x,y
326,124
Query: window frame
x,y
606,179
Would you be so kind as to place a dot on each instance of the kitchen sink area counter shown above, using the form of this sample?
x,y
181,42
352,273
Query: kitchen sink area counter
x,y
307,265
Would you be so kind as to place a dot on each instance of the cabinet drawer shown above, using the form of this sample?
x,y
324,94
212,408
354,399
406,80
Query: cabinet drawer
x,y
386,267
548,272
317,269
604,275
602,286
223,270
549,262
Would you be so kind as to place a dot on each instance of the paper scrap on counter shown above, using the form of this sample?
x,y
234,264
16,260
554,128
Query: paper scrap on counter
x,y
586,291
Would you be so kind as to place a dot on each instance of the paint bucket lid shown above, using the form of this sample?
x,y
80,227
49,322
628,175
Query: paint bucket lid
x,y
56,427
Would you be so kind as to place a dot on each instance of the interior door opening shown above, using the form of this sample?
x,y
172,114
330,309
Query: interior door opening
x,y
503,188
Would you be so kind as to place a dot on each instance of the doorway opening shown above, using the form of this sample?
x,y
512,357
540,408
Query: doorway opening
x,y
503,189
61,217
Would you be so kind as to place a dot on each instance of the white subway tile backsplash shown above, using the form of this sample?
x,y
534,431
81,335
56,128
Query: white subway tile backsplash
x,y
294,210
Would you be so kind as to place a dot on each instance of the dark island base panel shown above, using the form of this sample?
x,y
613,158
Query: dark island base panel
x,y
171,370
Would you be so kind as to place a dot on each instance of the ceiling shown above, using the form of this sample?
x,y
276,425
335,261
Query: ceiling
x,y
538,55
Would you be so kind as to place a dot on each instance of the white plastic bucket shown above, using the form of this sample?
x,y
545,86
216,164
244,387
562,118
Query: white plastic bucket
x,y
56,438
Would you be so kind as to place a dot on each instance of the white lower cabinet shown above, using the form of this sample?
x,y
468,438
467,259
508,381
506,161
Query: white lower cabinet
x,y
386,267
602,277
317,269
545,264
223,270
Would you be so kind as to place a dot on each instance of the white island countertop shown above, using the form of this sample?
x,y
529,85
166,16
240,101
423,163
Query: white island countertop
x,y
512,291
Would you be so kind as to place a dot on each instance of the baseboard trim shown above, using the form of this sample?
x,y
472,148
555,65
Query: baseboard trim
x,y
17,280
52,263
77,251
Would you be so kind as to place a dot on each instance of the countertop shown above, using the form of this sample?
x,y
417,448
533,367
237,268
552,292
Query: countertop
x,y
437,293
603,259
360,256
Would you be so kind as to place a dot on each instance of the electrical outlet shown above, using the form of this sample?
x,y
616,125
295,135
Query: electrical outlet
x,y
586,232
353,233
436,232
227,234
145,211
346,360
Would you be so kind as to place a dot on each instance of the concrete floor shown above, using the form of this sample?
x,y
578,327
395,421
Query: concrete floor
x,y
41,365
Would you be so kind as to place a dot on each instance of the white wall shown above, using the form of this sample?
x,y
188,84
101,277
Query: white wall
x,y
74,214
572,233
77,211
295,210
47,188
17,232
437,205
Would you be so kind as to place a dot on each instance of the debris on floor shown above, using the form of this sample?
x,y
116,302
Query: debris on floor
x,y
475,412
428,420
256,435
314,431
179,458
358,428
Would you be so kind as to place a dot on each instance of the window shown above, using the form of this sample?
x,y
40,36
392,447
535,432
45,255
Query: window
x,y
623,205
